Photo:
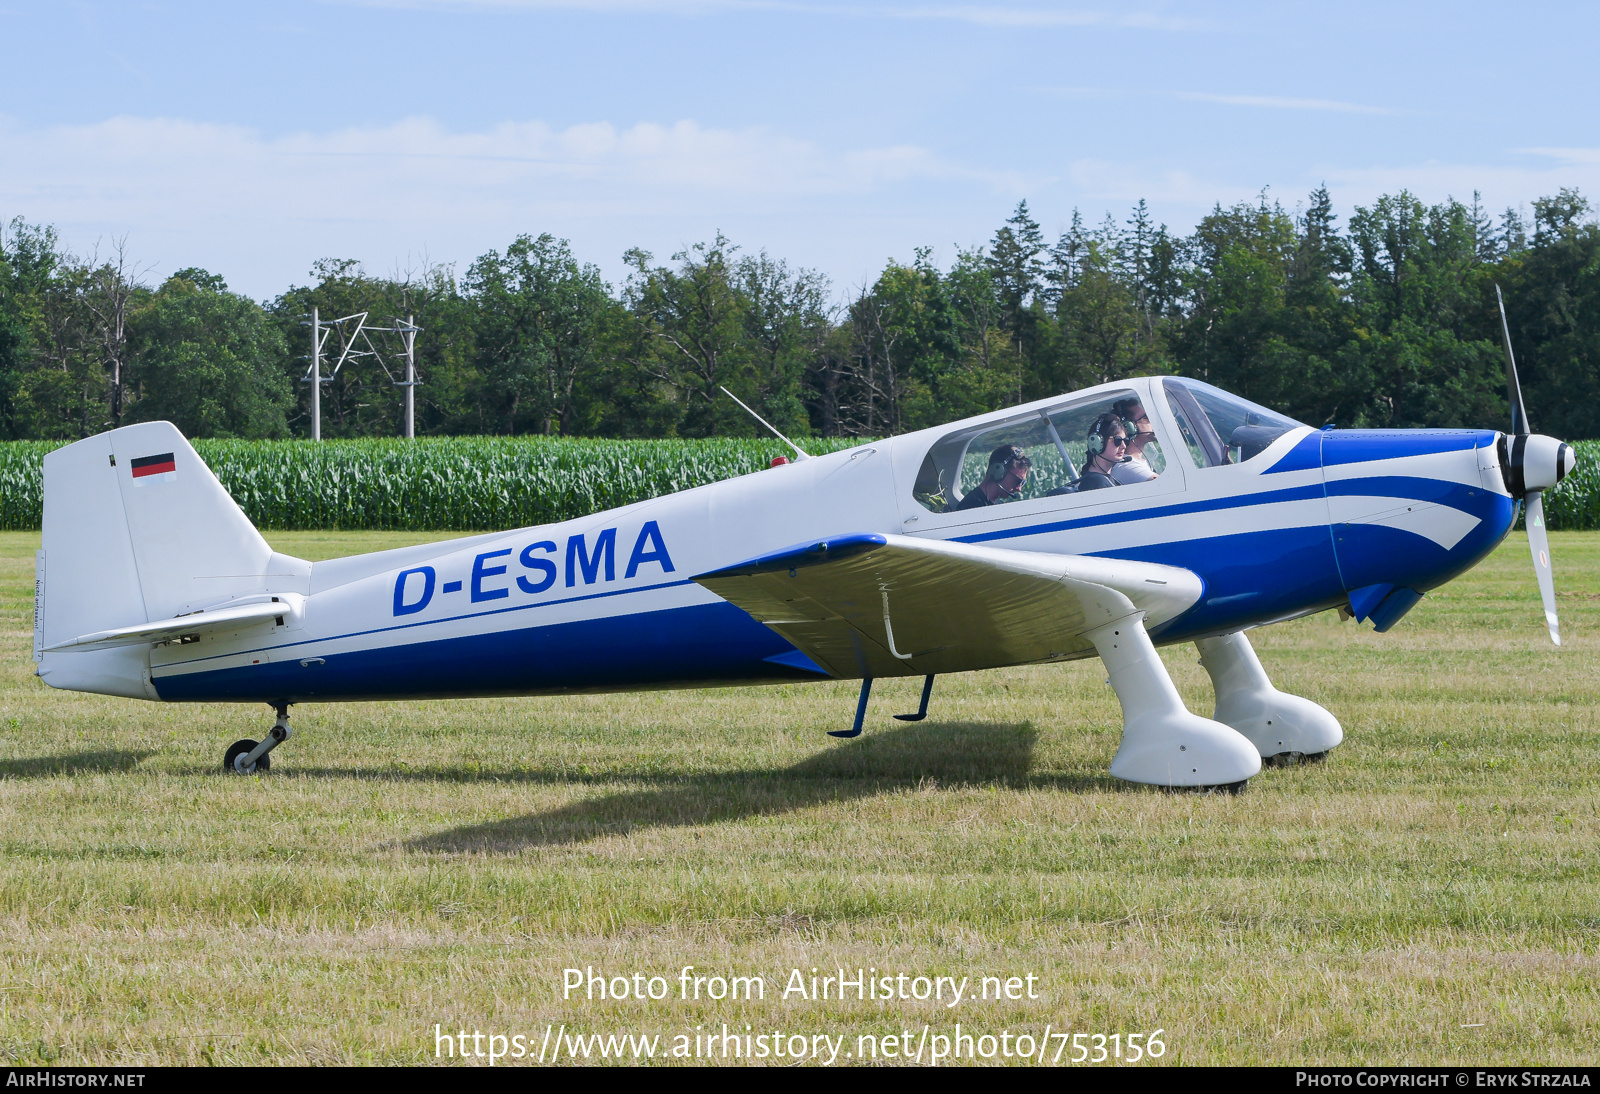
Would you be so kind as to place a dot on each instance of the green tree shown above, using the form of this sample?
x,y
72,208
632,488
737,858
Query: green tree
x,y
208,361
786,322
1240,264
1418,290
1314,351
14,347
60,391
539,319
1552,289
690,325
1104,331
1016,268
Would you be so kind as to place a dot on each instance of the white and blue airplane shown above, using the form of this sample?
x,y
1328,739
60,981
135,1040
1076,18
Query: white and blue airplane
x,y
912,556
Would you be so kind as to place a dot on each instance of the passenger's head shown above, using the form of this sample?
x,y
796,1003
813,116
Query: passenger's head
x,y
1132,412
1009,466
1108,437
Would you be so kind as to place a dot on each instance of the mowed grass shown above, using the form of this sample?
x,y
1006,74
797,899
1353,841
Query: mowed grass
x,y
1430,894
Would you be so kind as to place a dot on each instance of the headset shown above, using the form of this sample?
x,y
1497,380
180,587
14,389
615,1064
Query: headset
x,y
1121,409
1097,438
998,469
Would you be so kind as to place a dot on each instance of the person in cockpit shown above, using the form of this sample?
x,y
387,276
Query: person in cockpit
x,y
1108,442
1136,423
1008,471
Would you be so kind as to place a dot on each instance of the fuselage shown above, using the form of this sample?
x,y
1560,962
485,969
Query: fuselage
x,y
1315,520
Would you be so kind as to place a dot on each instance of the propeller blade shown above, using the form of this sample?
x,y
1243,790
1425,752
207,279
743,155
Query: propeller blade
x,y
1539,544
1519,413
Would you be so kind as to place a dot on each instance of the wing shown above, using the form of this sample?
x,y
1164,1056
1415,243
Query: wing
x,y
210,621
883,605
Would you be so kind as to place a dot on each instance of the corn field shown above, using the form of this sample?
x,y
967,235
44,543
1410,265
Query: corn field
x,y
485,483
447,483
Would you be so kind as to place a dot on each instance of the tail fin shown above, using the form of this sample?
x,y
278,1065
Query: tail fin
x,y
136,529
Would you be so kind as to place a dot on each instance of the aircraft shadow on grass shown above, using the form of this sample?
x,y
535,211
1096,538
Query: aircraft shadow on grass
x,y
948,754
76,763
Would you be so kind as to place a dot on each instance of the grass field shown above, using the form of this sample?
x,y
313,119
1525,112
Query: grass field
x,y
1430,894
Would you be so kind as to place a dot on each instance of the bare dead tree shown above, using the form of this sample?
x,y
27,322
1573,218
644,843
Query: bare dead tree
x,y
875,383
110,288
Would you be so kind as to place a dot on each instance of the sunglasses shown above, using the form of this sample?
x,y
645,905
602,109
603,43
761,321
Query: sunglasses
x,y
1117,440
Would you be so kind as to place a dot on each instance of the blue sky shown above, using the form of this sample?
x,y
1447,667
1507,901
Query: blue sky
x,y
253,139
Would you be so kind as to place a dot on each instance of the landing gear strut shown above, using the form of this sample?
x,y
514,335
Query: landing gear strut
x,y
861,712
1285,729
249,757
922,710
1162,743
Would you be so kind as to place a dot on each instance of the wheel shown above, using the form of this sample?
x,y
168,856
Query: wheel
x,y
1232,789
242,748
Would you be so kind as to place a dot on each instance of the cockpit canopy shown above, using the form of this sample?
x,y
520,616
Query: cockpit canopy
x,y
1060,441
1219,427
1055,440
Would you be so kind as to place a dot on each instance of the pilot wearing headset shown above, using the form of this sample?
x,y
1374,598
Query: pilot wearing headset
x,y
1136,423
1108,441
1008,470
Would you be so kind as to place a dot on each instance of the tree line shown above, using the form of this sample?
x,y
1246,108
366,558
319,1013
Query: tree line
x,y
1388,320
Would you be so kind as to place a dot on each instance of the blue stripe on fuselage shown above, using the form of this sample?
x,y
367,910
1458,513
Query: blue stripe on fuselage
x,y
1210,505
1402,488
1414,488
448,619
688,647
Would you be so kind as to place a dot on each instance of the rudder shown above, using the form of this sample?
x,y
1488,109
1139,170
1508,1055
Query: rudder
x,y
136,529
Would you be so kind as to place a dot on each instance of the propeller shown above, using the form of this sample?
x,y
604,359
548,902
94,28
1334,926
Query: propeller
x,y
1532,463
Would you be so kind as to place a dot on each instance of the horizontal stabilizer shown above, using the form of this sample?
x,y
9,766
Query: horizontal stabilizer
x,y
885,605
231,618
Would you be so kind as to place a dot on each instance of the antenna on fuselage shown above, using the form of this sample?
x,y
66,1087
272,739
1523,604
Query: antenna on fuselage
x,y
799,453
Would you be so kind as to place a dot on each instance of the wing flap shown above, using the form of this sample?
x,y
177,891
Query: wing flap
x,y
210,621
881,605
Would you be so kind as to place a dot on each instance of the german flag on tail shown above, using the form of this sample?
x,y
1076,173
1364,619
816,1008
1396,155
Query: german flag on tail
x,y
145,466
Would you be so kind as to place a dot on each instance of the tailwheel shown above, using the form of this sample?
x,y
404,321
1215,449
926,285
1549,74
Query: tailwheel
x,y
249,757
239,750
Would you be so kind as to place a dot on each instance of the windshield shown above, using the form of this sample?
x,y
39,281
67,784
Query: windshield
x,y
1220,428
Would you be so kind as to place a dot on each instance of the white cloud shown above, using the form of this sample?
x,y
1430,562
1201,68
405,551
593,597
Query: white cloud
x,y
1500,185
1037,17
1180,197
260,209
1277,102
1109,185
1270,102
1566,155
